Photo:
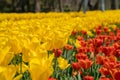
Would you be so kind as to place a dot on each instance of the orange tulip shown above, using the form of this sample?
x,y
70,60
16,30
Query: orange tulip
x,y
68,47
104,71
81,56
85,64
100,59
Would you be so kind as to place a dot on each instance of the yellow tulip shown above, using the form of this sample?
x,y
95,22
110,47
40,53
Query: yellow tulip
x,y
7,72
90,33
41,68
15,45
63,64
77,43
5,56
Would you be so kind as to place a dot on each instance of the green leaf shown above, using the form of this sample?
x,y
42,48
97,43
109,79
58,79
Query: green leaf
x,y
79,77
75,78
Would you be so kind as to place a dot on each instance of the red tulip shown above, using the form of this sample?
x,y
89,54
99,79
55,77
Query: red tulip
x,y
98,42
100,59
117,75
85,64
75,66
74,32
57,53
80,38
98,31
104,78
106,29
52,79
88,78
104,71
83,32
81,56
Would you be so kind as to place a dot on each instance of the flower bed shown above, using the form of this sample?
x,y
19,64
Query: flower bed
x,y
62,46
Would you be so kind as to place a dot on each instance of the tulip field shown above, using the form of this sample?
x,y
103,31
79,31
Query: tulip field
x,y
60,46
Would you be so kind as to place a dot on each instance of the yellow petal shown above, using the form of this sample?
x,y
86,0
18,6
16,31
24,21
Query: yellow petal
x,y
63,64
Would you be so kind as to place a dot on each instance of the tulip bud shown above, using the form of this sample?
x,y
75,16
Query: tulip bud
x,y
57,52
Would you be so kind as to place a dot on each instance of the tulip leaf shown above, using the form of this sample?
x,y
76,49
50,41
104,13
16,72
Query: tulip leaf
x,y
79,76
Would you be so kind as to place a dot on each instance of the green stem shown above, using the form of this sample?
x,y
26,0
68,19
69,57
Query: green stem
x,y
66,53
20,63
94,66
55,67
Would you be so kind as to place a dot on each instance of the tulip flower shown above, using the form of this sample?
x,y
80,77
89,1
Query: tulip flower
x,y
63,64
88,78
